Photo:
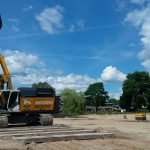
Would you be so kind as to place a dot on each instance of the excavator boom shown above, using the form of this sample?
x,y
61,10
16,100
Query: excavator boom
x,y
4,66
5,78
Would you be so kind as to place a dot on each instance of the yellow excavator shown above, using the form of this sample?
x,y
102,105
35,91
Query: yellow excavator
x,y
25,105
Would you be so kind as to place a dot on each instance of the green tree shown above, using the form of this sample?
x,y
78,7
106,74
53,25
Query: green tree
x,y
42,85
96,95
136,91
114,101
73,102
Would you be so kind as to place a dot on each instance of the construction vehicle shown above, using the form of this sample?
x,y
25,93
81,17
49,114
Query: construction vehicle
x,y
25,105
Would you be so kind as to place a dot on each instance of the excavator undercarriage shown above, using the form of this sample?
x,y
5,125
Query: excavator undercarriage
x,y
28,119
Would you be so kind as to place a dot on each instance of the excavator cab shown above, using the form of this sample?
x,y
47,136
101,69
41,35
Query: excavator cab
x,y
12,98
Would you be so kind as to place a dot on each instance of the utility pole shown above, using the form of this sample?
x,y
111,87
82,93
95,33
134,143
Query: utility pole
x,y
0,22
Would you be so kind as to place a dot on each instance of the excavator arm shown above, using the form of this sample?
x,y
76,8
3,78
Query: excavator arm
x,y
4,79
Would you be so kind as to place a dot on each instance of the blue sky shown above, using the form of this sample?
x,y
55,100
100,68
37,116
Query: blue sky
x,y
72,44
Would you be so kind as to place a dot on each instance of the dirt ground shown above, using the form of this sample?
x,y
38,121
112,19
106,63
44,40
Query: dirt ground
x,y
129,135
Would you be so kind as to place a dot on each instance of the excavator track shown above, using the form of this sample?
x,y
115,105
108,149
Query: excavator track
x,y
46,119
3,121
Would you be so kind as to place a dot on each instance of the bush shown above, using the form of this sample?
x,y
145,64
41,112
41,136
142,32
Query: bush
x,y
143,110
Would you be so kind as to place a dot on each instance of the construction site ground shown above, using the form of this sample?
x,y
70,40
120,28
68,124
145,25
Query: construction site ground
x,y
129,134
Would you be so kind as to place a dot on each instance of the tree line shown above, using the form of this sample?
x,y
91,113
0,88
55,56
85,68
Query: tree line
x,y
135,94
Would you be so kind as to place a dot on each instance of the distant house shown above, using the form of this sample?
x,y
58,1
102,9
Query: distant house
x,y
90,108
116,107
107,107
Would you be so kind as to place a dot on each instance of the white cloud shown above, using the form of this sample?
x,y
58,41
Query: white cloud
x,y
72,81
111,74
128,54
51,18
16,29
18,62
58,71
117,94
72,28
140,18
27,69
13,20
120,5
146,64
76,82
131,44
138,1
27,8
80,23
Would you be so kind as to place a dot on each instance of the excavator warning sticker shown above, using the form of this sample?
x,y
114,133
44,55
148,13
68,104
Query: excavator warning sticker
x,y
44,104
